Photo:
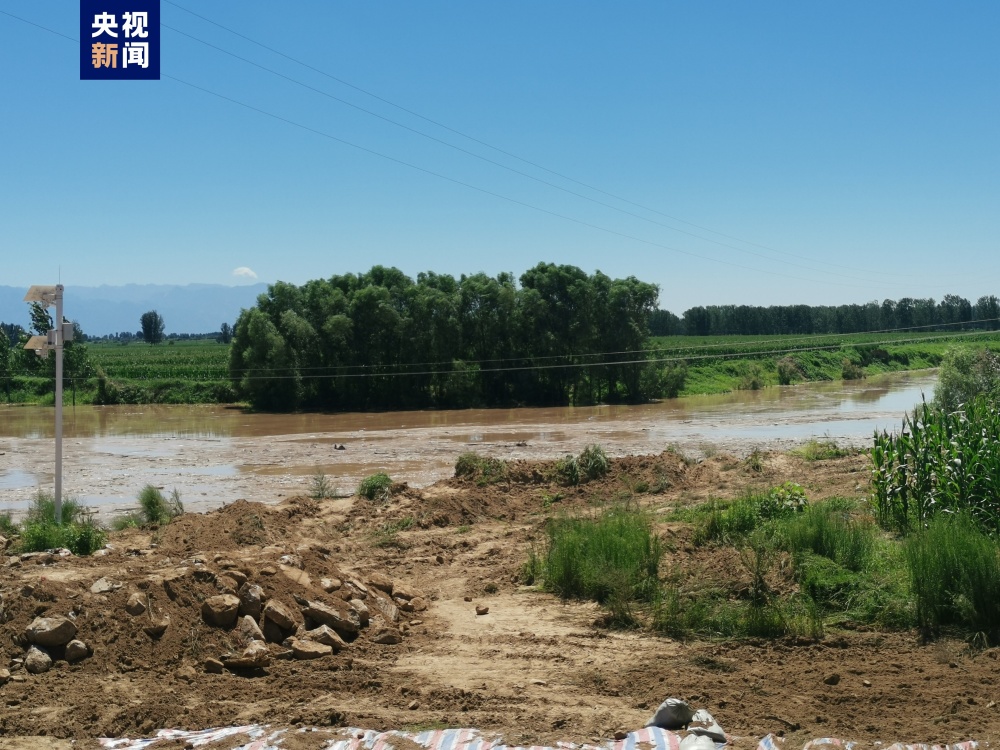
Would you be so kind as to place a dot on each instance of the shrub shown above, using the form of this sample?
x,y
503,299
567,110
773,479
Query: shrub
x,y
467,465
375,487
568,470
753,378
156,508
593,462
851,371
484,469
966,374
320,487
788,370
820,450
737,520
829,532
40,532
7,526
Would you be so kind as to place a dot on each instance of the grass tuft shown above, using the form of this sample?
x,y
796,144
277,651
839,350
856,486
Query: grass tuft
x,y
375,487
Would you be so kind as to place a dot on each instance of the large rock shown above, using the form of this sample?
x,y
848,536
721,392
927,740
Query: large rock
x,y
249,629
251,600
76,651
221,610
329,585
4,676
51,631
305,649
390,612
388,636
402,590
338,615
104,586
156,628
136,604
380,581
362,609
327,636
37,661
254,656
276,612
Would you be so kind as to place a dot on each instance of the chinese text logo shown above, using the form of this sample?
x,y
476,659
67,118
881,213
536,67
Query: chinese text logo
x,y
119,39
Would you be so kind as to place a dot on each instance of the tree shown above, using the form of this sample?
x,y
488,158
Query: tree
x,y
152,327
225,333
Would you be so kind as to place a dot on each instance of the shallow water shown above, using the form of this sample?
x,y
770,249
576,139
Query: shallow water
x,y
214,455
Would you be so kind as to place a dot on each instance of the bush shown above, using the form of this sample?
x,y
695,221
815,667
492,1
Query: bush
x,y
593,462
788,370
40,532
851,371
159,509
375,487
753,378
736,520
829,532
484,469
467,465
320,487
966,374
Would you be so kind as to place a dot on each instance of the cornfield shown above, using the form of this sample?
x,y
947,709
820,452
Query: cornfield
x,y
941,462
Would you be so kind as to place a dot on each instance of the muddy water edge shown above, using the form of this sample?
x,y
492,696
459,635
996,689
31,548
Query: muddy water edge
x,y
215,455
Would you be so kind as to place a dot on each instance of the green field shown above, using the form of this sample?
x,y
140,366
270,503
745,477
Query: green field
x,y
197,371
717,364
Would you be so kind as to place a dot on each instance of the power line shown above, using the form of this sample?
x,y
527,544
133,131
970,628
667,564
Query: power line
x,y
499,150
522,173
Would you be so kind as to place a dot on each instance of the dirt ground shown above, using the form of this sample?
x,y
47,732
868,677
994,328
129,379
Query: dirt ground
x,y
533,668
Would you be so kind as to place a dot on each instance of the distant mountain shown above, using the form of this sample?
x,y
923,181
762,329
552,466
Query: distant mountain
x,y
100,310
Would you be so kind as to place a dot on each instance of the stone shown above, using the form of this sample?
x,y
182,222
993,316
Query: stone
x,y
226,584
156,628
339,615
174,581
467,598
249,630
292,561
360,587
390,612
404,591
104,586
4,676
327,636
482,609
276,612
329,585
362,609
306,649
214,666
221,610
254,656
51,631
380,581
186,673
413,705
238,576
136,604
419,604
251,600
620,735
37,661
831,679
388,637
76,651
404,604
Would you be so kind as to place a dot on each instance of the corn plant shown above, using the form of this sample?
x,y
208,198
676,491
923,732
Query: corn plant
x,y
940,462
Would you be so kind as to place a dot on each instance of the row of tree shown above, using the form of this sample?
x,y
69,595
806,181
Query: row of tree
x,y
381,340
953,312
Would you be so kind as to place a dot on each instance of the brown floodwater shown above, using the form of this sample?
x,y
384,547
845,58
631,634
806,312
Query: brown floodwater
x,y
214,455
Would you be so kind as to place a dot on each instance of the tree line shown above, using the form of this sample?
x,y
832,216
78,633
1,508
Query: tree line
x,y
951,313
381,340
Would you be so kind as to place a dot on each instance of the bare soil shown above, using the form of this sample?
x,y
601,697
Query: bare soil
x,y
535,669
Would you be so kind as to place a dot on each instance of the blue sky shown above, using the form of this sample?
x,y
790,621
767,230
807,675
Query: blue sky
x,y
820,153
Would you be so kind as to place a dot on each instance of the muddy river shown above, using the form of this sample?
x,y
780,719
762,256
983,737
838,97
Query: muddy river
x,y
214,455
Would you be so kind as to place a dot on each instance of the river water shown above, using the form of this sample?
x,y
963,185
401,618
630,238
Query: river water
x,y
214,455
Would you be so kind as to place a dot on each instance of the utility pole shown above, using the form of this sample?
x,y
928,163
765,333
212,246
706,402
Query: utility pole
x,y
54,339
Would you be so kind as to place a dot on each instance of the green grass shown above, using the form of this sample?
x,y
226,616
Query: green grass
x,y
157,508
748,362
592,463
40,532
612,558
375,487
482,469
821,450
955,574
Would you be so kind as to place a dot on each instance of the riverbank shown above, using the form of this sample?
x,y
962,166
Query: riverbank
x,y
214,455
196,372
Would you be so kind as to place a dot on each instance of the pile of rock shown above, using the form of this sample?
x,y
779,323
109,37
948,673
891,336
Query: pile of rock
x,y
312,629
49,639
